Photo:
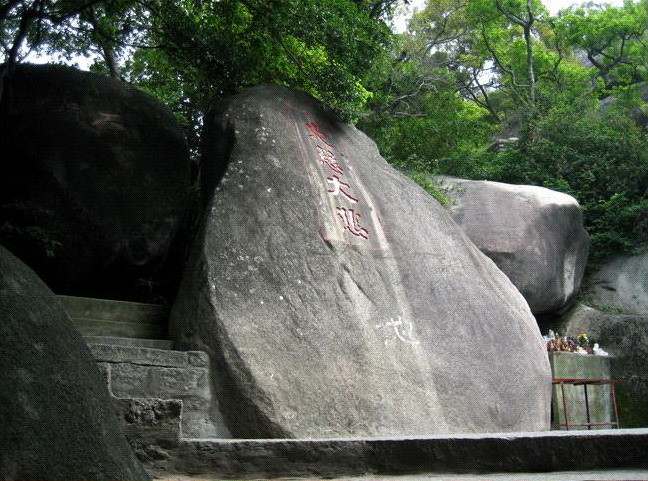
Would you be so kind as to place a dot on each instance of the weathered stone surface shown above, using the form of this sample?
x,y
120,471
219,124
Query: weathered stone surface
x,y
94,328
165,344
160,416
382,457
187,383
534,235
395,324
56,418
95,182
152,426
626,338
622,284
133,380
110,310
147,356
143,376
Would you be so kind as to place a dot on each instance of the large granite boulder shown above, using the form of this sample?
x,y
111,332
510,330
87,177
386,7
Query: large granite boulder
x,y
95,182
56,418
534,235
625,337
335,297
622,284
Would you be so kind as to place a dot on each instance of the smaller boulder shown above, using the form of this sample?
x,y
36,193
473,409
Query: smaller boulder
x,y
622,284
534,235
56,417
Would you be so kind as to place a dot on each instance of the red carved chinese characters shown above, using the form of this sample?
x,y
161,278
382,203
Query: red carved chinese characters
x,y
351,220
339,188
326,157
317,133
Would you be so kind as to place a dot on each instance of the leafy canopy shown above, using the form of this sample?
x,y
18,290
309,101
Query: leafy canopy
x,y
567,87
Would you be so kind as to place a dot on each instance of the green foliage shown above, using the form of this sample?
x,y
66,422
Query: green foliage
x,y
434,98
191,53
449,125
421,176
613,38
599,157
431,188
467,70
219,48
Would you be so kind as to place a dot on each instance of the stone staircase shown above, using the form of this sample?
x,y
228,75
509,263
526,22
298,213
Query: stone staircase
x,y
161,396
120,323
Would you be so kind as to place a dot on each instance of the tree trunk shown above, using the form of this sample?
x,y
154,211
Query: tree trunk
x,y
530,65
103,41
111,61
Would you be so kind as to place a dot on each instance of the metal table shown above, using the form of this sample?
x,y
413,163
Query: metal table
x,y
585,383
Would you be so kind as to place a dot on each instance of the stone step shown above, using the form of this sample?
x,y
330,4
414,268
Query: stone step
x,y
133,372
95,327
146,356
469,453
165,344
109,310
191,384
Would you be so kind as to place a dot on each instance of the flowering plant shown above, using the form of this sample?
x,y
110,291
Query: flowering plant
x,y
580,344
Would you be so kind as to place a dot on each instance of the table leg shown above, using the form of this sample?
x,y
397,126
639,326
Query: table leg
x,y
587,412
614,403
562,388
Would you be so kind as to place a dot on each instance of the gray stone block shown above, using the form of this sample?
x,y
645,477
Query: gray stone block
x,y
195,403
107,176
626,338
333,315
150,417
568,365
139,355
104,367
93,327
622,283
470,453
534,235
109,310
129,341
184,382
197,424
56,420
132,380
152,427
198,358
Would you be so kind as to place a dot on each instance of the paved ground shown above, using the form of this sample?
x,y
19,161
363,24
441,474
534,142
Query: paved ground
x,y
607,475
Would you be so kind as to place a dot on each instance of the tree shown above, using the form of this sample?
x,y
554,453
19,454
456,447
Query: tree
x,y
613,39
69,27
525,20
193,52
325,47
432,98
466,70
